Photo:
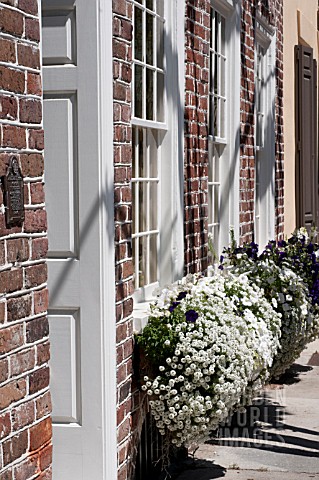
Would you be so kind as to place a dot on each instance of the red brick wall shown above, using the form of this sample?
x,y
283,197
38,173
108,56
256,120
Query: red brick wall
x,y
122,75
272,11
25,424
197,37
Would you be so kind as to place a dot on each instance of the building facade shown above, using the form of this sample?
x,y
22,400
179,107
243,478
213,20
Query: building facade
x,y
143,130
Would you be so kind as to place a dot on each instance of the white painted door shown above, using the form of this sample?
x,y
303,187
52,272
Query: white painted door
x,y
76,227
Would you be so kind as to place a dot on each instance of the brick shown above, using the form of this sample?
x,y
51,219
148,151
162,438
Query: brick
x,y
34,84
15,447
6,474
40,434
32,29
37,193
11,22
7,51
43,353
29,6
35,221
11,280
30,110
46,475
18,250
46,457
23,415
39,380
27,469
5,425
4,370
39,248
19,307
41,301
35,275
28,56
36,139
2,312
8,106
32,165
22,362
119,7
14,136
37,329
12,392
43,405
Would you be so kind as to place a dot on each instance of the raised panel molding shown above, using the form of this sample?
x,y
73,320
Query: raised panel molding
x,y
59,38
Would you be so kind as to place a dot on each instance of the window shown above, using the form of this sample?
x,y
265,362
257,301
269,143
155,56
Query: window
x,y
148,112
264,219
157,140
260,79
224,121
148,63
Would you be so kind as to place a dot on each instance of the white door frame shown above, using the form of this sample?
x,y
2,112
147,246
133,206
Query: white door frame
x,y
107,285
104,120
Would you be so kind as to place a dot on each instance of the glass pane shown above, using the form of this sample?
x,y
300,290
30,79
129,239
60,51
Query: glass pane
x,y
215,74
153,205
142,254
134,203
222,26
142,196
216,32
138,34
160,97
149,38
222,77
160,8
222,132
160,44
149,94
141,167
139,1
149,4
153,259
216,116
138,91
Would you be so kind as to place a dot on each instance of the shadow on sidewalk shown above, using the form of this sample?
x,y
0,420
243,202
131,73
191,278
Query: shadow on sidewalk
x,y
264,427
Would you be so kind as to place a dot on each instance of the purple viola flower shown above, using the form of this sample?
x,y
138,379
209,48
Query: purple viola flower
x,y
282,243
221,259
191,316
310,248
172,307
181,296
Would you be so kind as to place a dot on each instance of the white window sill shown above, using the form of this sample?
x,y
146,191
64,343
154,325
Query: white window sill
x,y
140,316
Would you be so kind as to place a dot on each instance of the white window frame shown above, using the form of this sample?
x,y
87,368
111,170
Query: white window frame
x,y
265,156
170,160
229,145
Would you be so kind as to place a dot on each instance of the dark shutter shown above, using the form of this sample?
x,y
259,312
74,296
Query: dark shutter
x,y
306,138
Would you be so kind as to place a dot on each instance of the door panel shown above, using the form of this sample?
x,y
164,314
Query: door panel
x,y
71,113
61,171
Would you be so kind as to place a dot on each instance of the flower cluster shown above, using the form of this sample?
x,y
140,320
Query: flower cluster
x,y
210,342
288,273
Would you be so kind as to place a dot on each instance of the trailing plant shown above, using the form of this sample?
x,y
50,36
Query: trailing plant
x,y
210,343
287,271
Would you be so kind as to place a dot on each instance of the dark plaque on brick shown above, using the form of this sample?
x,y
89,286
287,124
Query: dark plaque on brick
x,y
13,194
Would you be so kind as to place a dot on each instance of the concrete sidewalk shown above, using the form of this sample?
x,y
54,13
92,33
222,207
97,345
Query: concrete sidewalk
x,y
278,437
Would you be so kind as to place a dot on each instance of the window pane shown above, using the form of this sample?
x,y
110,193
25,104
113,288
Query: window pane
x,y
222,34
142,196
153,257
160,97
138,34
138,91
149,94
153,205
142,261
149,38
149,4
222,121
160,7
160,44
141,167
153,147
